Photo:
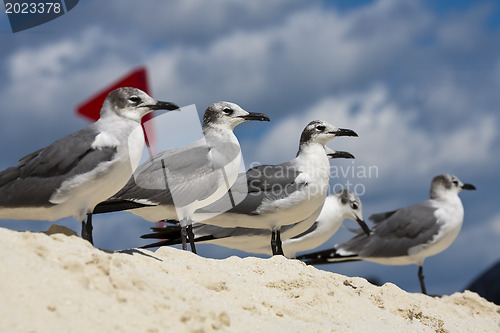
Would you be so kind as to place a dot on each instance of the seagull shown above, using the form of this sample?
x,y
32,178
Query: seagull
x,y
176,182
407,235
72,175
339,206
283,194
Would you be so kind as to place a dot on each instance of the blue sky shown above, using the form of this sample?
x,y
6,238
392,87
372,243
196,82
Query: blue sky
x,y
418,81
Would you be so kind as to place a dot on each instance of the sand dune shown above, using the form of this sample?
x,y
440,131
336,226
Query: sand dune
x,y
60,283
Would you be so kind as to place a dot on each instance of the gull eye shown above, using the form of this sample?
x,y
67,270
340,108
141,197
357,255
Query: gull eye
x,y
455,182
320,128
354,206
228,111
134,99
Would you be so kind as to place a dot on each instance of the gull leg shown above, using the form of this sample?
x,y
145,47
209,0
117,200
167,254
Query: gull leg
x,y
421,279
87,229
183,237
273,243
279,244
190,234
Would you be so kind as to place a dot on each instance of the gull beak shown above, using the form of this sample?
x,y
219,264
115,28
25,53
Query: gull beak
x,y
164,106
340,154
344,132
363,226
255,116
468,187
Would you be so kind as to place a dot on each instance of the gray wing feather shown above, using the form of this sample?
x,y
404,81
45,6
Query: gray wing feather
x,y
268,177
180,176
263,182
37,175
378,217
70,155
403,229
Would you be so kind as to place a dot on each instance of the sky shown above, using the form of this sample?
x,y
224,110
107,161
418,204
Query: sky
x,y
417,80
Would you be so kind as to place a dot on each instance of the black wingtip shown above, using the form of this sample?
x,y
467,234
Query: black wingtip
x,y
330,253
329,256
110,206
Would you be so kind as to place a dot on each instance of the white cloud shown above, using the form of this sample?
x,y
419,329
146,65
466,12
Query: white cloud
x,y
389,136
45,82
47,77
495,225
304,57
181,21
464,31
294,59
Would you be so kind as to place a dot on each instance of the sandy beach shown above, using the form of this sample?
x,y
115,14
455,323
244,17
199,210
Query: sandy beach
x,y
60,283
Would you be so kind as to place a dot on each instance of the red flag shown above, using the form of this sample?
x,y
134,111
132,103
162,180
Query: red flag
x,y
91,108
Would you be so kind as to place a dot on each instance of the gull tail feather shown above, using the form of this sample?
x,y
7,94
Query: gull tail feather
x,y
169,235
110,206
327,257
169,232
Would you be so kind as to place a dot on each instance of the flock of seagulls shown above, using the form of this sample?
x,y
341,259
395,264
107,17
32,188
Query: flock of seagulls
x,y
297,237
278,209
175,183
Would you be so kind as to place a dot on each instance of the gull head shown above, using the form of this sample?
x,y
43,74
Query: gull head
x,y
133,104
443,185
229,115
351,207
319,131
